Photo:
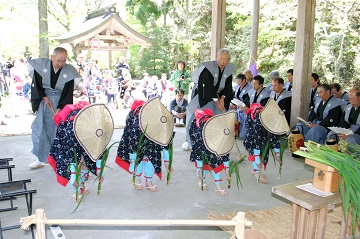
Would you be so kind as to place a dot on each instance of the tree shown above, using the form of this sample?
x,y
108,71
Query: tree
x,y
43,29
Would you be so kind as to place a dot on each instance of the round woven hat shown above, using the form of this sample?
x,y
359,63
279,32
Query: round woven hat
x,y
93,128
273,119
156,122
219,133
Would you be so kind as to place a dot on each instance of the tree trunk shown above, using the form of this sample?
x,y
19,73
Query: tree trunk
x,y
43,29
254,33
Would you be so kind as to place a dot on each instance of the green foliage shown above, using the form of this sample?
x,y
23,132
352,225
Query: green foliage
x,y
143,10
155,59
182,30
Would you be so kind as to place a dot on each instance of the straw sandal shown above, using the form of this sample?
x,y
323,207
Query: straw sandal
x,y
151,188
78,198
260,179
202,186
221,192
138,186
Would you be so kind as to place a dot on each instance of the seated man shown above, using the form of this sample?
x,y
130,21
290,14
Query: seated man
x,y
272,75
351,118
314,83
290,76
178,107
337,91
326,113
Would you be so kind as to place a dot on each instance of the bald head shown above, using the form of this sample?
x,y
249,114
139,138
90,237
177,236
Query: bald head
x,y
248,75
354,97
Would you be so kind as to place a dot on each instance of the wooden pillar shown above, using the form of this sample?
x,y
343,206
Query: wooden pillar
x,y
254,32
110,59
217,26
303,59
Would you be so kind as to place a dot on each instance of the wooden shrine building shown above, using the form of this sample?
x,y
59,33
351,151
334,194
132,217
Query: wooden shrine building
x,y
103,30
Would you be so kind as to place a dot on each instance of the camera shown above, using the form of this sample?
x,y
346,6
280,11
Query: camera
x,y
182,76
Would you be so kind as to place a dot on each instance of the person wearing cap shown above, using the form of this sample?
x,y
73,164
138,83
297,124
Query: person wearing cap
x,y
213,88
52,89
326,113
204,159
66,146
137,153
242,93
180,78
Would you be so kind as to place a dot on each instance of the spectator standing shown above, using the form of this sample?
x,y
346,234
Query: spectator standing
x,y
180,79
144,84
122,64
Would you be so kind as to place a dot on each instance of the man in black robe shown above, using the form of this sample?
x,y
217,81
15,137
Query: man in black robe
x,y
52,88
213,88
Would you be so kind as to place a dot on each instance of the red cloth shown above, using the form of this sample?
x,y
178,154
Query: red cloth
x,y
253,110
201,113
136,104
62,115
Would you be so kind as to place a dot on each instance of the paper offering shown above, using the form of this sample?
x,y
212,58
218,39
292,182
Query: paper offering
x,y
238,102
340,130
302,120
311,189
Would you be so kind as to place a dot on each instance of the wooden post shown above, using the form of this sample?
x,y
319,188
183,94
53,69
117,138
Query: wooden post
x,y
40,224
217,26
254,32
240,226
303,59
110,59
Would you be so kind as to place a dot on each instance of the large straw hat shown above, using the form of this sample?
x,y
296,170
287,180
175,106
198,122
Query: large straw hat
x,y
219,133
273,118
156,122
93,128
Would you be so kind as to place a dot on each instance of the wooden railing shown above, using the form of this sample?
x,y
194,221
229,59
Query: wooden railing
x,y
40,221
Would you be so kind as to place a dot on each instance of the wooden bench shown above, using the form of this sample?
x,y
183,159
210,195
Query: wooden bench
x,y
4,164
10,191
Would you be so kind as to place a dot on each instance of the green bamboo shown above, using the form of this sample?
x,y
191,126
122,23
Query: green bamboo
x,y
171,151
263,153
234,168
77,181
104,159
138,151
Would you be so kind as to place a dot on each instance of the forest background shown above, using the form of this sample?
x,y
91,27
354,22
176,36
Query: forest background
x,y
181,29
